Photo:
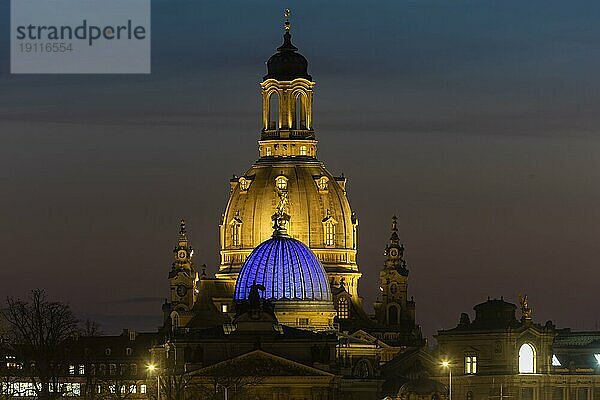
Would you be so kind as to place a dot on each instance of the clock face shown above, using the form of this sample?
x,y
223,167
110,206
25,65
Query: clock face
x,y
394,252
181,254
181,290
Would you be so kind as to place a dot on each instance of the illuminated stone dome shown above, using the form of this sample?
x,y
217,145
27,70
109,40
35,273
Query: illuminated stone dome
x,y
287,269
322,218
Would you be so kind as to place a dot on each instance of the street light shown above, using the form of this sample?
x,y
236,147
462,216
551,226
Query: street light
x,y
153,368
446,364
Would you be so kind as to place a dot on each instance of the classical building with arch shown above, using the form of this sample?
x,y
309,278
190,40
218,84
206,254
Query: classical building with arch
x,y
500,356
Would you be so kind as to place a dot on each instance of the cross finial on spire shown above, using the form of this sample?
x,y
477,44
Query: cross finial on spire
x,y
286,15
394,224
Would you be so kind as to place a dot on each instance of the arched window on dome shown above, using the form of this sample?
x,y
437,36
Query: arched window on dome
x,y
244,183
273,111
329,229
299,111
343,311
322,183
281,182
236,232
393,314
329,233
174,320
527,359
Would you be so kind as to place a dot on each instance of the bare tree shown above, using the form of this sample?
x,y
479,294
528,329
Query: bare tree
x,y
90,328
36,330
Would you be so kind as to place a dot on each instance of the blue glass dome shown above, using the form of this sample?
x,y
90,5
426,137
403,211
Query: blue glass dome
x,y
287,269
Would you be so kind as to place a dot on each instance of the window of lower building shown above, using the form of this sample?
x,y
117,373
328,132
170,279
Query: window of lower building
x,y
555,361
302,150
558,393
527,359
71,370
268,151
343,308
143,389
224,308
470,364
129,351
303,321
81,369
582,393
527,393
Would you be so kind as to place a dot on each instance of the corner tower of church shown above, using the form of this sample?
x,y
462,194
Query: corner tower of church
x,y
321,216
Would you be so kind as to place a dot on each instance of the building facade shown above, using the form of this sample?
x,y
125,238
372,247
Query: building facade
x,y
497,356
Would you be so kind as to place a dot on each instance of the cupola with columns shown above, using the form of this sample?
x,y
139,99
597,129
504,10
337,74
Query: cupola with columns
x,y
287,98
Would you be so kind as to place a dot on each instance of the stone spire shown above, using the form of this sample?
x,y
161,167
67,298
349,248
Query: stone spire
x,y
183,252
394,251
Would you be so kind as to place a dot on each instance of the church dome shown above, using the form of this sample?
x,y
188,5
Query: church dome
x,y
286,268
322,215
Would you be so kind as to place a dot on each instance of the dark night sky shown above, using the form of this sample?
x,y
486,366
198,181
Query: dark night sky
x,y
475,121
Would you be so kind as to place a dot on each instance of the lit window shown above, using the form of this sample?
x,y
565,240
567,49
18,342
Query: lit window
x,y
236,230
244,183
175,320
224,308
470,364
81,370
555,361
281,182
302,150
342,311
71,370
527,359
303,321
597,357
98,389
143,389
132,388
268,151
322,183
329,234
112,389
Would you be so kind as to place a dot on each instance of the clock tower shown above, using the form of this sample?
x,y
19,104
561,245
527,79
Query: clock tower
x,y
182,279
393,309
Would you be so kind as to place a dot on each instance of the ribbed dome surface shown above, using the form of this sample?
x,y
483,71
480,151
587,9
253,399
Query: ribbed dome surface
x,y
287,269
